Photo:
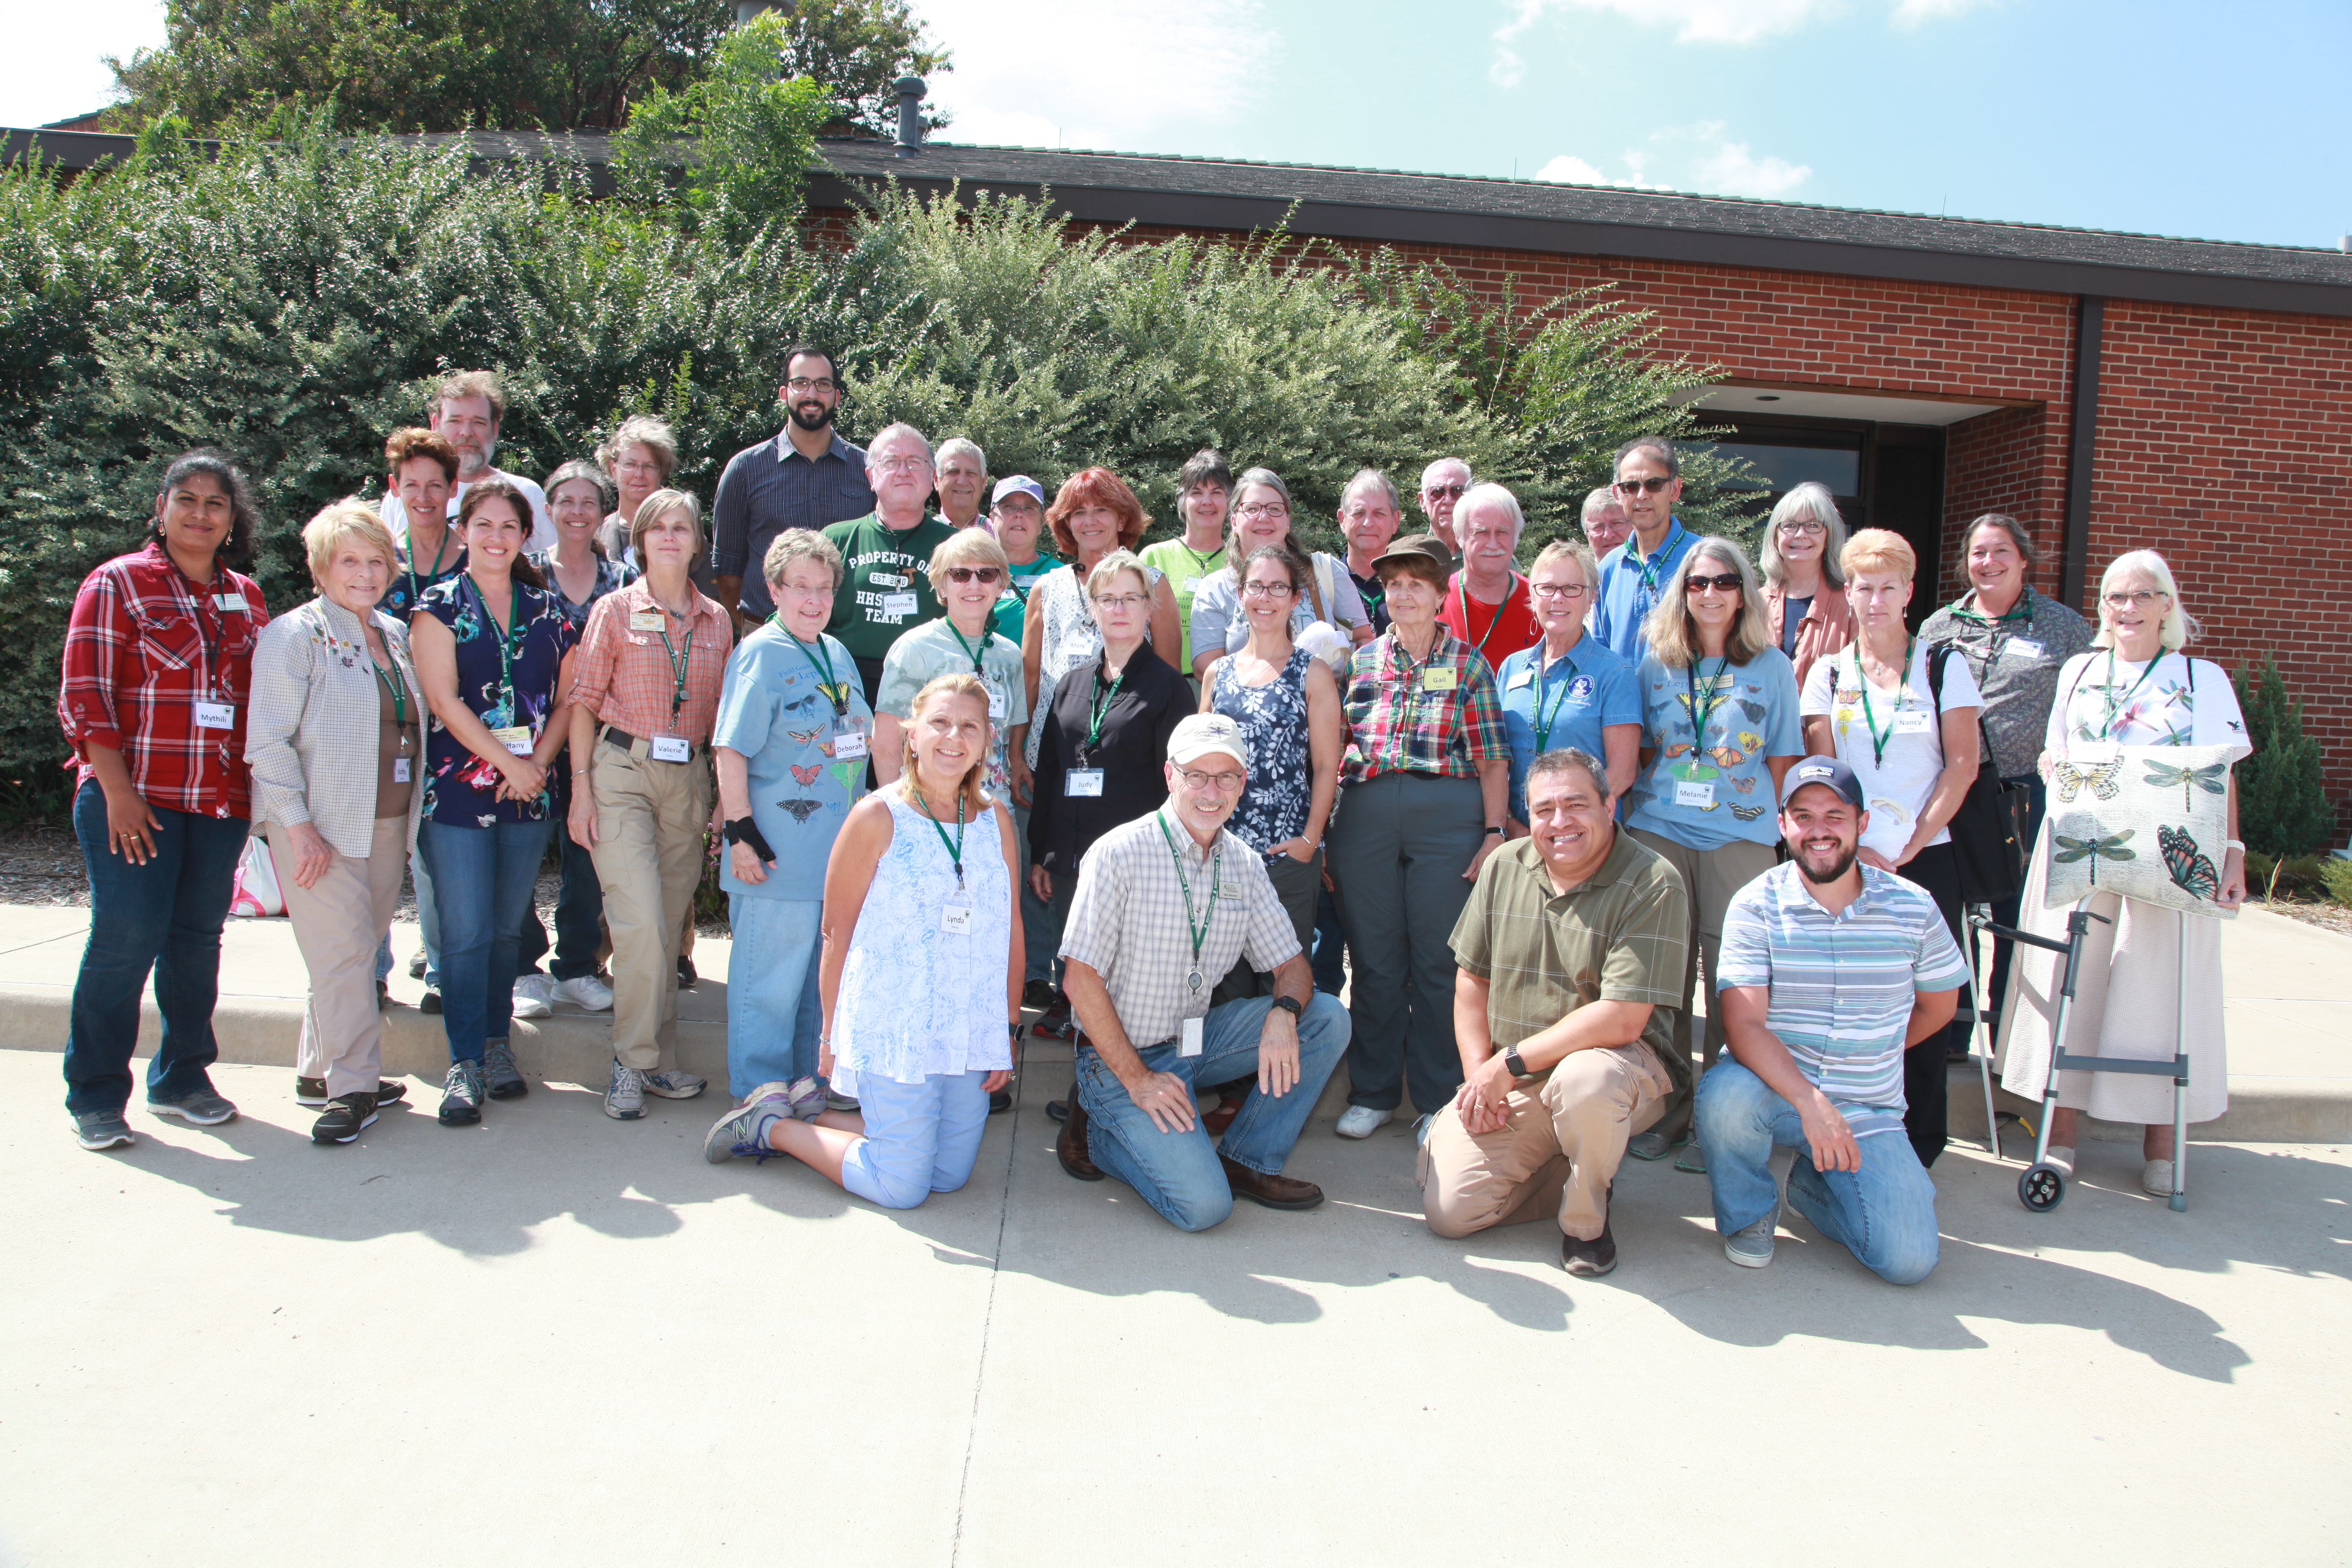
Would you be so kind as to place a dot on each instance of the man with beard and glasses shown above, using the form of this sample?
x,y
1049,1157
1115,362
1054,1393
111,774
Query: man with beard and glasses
x,y
807,477
1831,969
466,411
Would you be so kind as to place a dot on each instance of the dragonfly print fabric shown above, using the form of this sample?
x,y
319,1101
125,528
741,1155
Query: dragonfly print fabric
x,y
2145,822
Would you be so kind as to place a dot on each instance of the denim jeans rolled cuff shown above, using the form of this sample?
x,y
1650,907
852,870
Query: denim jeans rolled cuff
x,y
1178,1174
921,1137
428,913
774,1011
163,917
1884,1213
482,881
579,918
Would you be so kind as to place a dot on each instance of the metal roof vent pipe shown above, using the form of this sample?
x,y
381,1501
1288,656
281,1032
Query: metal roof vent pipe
x,y
911,93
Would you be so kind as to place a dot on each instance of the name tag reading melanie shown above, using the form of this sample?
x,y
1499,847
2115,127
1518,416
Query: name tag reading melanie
x,y
515,738
669,749
1700,795
645,620
215,716
1083,781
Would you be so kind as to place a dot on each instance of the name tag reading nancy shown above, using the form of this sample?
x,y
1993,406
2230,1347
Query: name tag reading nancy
x,y
1700,795
900,604
1190,1046
673,748
2024,647
1914,721
646,620
1437,680
956,918
232,603
1083,781
515,738
215,716
400,770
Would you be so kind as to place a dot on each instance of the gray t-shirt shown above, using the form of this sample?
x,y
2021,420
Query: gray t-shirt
x,y
2015,659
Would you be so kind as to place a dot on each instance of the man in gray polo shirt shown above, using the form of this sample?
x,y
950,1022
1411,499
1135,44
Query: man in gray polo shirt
x,y
1165,905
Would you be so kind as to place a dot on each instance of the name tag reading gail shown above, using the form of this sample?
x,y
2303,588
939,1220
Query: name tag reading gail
x,y
1437,680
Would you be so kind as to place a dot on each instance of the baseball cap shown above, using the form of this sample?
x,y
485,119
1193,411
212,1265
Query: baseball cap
x,y
1822,770
1197,734
1017,484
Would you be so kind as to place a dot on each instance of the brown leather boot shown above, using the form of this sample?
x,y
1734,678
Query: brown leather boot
x,y
1274,1192
1070,1148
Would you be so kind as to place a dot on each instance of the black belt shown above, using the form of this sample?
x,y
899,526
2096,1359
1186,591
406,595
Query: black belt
x,y
624,739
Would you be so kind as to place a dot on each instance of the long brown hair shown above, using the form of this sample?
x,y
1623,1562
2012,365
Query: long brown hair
x,y
491,489
954,684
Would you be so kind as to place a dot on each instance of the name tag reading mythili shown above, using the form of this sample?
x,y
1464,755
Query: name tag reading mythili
x,y
232,603
400,770
956,918
670,749
899,604
1914,721
849,746
2024,647
515,738
1701,795
215,716
646,620
1189,1045
1083,781
1525,677
888,579
1437,680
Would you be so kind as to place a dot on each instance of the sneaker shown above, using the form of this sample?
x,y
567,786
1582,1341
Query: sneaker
x,y
2156,1178
102,1130
416,965
389,1092
312,1091
999,1102
1362,1122
1037,994
838,1101
429,1003
738,1132
500,1074
587,993
624,1097
805,1098
346,1116
1057,1023
1750,1245
1588,1259
685,974
1057,1111
461,1094
203,1108
674,1084
534,996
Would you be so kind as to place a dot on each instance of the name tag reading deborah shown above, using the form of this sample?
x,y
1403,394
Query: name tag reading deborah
x,y
1437,680
670,749
1083,781
515,738
1701,795
899,604
215,716
848,745
645,620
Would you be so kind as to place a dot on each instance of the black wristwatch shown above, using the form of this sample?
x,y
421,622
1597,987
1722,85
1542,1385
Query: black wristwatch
x,y
1511,1061
1494,831
1292,1006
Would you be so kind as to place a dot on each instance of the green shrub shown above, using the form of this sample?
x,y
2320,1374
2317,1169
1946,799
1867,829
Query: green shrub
x,y
2282,807
2335,877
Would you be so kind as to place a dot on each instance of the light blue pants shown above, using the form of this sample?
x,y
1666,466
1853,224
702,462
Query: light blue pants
x,y
774,1010
921,1137
1884,1213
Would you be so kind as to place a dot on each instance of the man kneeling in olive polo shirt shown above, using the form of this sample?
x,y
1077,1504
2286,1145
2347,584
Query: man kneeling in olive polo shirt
x,y
1565,1009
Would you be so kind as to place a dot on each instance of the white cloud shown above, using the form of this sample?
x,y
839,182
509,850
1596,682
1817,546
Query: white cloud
x,y
1732,171
1699,157
1107,74
1569,169
1919,13
1700,21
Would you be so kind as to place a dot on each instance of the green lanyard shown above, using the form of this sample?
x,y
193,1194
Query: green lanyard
x,y
971,652
399,689
1098,705
955,849
2115,706
822,662
1413,674
1199,932
414,591
1463,589
1870,718
2022,610
1544,722
1648,569
506,643
1699,716
679,658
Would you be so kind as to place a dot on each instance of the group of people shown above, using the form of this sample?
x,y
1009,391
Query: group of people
x,y
971,764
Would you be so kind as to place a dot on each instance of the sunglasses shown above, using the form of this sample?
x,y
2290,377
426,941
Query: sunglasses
x,y
973,574
1729,582
1438,492
1653,485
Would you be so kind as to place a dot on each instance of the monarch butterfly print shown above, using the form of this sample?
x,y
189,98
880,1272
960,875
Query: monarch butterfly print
x,y
807,775
2105,780
2190,870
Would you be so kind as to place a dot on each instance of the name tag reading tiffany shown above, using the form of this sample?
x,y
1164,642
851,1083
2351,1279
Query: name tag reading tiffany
x,y
400,770
515,738
1191,1044
1914,721
2025,648
1083,781
645,620
232,603
1437,680
671,749
900,604
215,716
1701,795
956,918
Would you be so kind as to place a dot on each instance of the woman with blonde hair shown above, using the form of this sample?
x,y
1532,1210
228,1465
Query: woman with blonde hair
x,y
1719,729
921,974
1805,580
336,745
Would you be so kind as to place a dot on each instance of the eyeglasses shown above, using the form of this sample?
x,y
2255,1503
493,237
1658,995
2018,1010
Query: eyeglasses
x,y
811,384
1560,590
1223,783
1651,485
973,574
1439,492
1266,590
636,465
2137,599
1806,526
1262,508
899,465
1730,582
1121,601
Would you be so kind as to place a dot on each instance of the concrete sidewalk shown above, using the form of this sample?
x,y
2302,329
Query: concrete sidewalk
x,y
556,1339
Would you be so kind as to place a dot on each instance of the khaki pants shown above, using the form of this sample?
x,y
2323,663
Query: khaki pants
x,y
339,921
1556,1155
648,852
1710,876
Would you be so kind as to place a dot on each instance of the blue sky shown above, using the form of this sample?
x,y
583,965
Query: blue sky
x,y
2148,117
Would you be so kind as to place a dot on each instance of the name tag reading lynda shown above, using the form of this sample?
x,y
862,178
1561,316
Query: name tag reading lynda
x,y
215,716
1914,721
955,920
1083,781
1701,795
645,620
669,749
900,604
1437,680
515,738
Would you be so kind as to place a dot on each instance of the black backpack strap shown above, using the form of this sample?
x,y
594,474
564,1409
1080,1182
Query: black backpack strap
x,y
1938,654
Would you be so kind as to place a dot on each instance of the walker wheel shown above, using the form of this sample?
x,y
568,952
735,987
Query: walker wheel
x,y
2040,1188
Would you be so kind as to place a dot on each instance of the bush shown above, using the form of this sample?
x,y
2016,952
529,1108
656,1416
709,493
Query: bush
x,y
2282,809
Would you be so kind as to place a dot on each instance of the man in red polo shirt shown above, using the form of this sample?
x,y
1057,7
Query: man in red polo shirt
x,y
1486,604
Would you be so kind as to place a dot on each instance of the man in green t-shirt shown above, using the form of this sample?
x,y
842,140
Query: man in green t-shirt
x,y
886,588
1204,494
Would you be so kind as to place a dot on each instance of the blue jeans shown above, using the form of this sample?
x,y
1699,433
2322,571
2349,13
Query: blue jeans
x,y
921,1137
428,912
1884,1213
482,881
164,916
774,1012
1177,1172
579,919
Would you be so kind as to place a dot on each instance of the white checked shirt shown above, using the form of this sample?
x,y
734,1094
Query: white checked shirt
x,y
1127,924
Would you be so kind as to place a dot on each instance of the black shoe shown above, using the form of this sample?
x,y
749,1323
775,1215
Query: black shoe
x,y
461,1095
1588,1259
431,1003
346,1116
1056,1024
1038,993
417,965
312,1091
1057,1111
999,1102
685,974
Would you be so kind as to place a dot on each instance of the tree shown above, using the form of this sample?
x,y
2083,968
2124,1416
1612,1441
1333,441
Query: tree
x,y
859,50
2283,809
740,142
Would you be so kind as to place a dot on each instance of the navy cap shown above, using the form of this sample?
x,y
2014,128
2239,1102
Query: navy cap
x,y
1822,770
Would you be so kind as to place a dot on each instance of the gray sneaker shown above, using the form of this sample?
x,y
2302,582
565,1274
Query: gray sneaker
x,y
500,1074
102,1130
674,1084
203,1108
624,1097
838,1101
805,1096
738,1132
461,1094
1750,1245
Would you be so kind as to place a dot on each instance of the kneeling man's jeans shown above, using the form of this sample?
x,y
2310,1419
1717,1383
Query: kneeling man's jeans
x,y
1177,1172
1884,1213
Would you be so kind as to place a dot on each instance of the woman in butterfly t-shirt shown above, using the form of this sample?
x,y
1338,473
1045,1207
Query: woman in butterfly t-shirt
x,y
2134,688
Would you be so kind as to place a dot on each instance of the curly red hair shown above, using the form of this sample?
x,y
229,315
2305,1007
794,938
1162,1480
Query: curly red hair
x,y
1096,486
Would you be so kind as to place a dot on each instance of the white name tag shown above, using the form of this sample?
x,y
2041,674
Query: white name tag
x,y
1914,721
646,620
996,707
955,920
670,749
400,770
1524,677
1190,1046
215,716
233,603
515,738
900,604
1083,781
2025,648
849,746
1701,795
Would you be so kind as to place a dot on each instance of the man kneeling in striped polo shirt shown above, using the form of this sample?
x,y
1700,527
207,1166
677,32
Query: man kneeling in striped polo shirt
x,y
1829,969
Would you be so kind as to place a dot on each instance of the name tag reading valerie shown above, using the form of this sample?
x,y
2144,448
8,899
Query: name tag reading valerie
x,y
1083,781
645,620
669,749
515,738
215,716
1437,680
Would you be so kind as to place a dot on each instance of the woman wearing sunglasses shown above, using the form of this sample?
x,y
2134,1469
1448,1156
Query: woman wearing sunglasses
x,y
968,574
1719,727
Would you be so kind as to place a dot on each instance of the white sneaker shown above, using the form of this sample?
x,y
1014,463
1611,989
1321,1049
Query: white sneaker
x,y
2156,1178
534,996
587,993
2062,1157
1362,1122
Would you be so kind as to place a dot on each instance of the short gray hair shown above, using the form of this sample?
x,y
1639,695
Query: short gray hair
x,y
1600,500
1570,759
956,446
800,545
1812,499
1463,463
641,431
901,428
1488,493
1372,478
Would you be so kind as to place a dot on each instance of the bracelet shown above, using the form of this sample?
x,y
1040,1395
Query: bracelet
x,y
2237,844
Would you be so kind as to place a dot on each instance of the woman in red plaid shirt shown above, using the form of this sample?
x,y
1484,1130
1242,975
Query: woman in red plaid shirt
x,y
158,664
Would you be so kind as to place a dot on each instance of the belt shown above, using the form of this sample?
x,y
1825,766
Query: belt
x,y
627,742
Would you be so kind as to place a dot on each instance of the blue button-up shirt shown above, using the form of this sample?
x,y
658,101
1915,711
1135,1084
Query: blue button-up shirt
x,y
1575,697
769,487
1630,586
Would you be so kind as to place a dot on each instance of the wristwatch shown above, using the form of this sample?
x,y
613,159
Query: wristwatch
x,y
1494,830
1292,1006
1511,1061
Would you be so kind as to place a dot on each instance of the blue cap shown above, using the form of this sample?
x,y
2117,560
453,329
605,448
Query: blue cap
x,y
1017,484
1822,770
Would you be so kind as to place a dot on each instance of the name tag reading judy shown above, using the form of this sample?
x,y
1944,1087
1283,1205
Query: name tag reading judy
x,y
645,620
899,604
1437,680
669,749
1083,781
1191,1044
1701,795
515,738
215,716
